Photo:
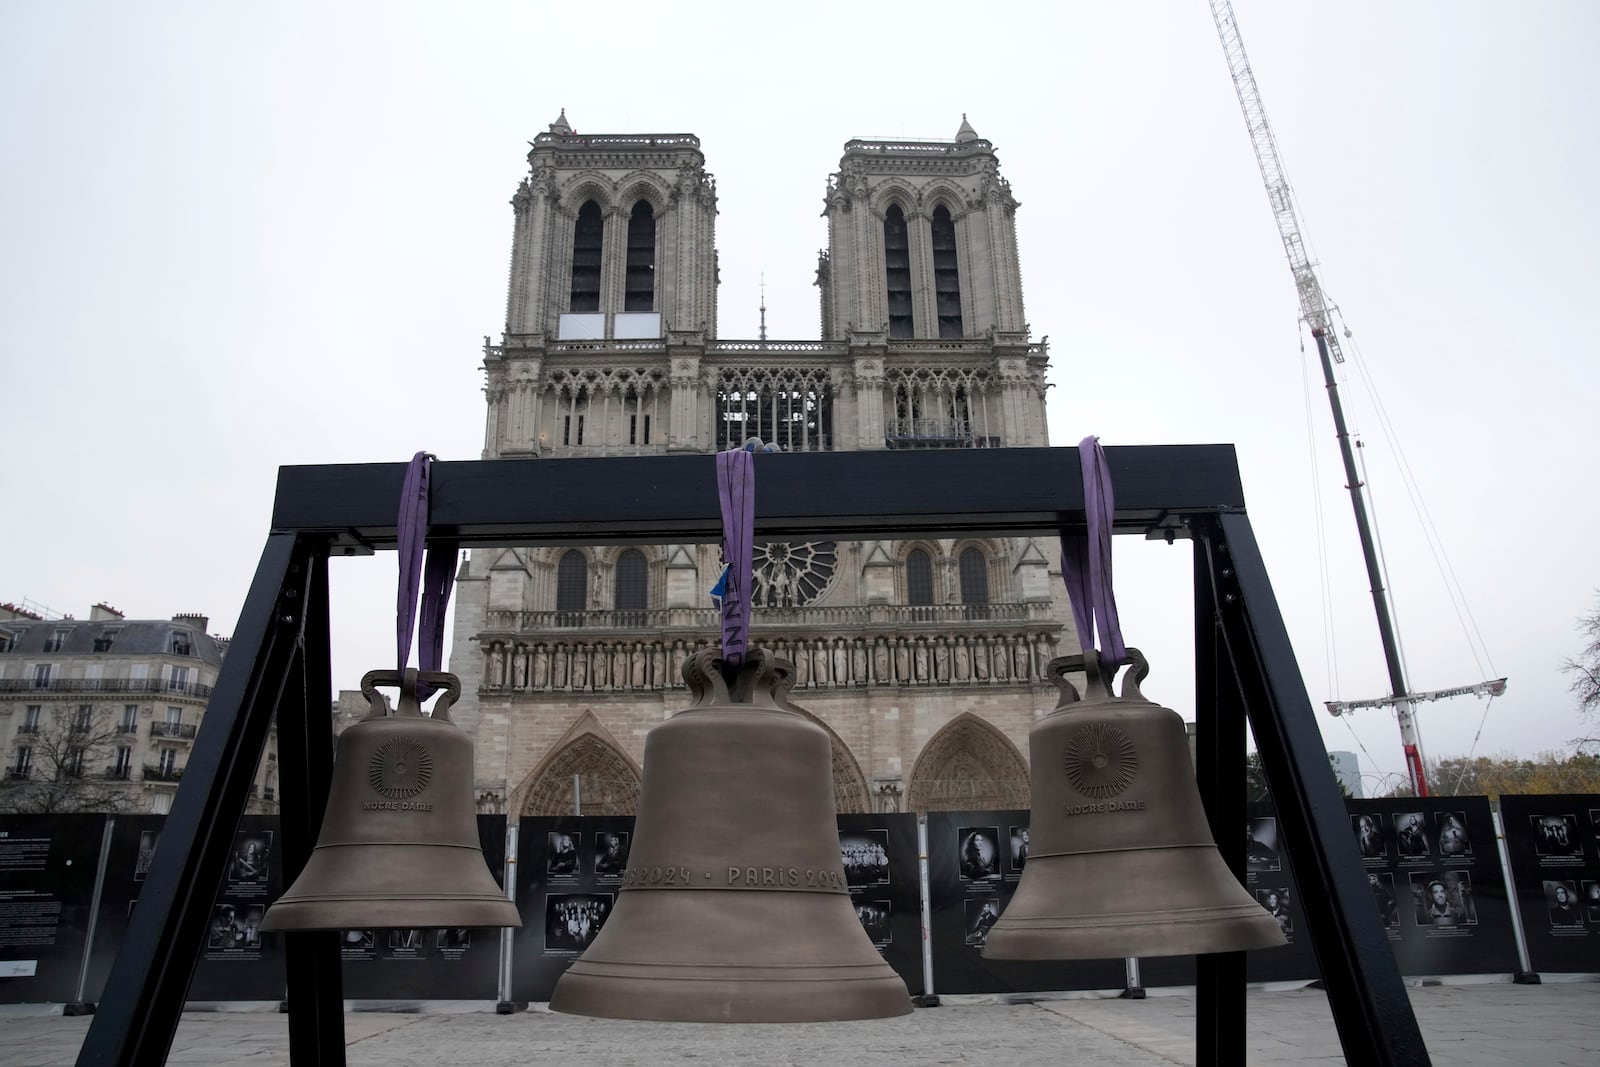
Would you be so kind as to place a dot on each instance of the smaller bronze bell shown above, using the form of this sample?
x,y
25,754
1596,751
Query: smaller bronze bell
x,y
399,842
1122,862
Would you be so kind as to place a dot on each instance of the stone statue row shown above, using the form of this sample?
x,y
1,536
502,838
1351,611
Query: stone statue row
x,y
820,663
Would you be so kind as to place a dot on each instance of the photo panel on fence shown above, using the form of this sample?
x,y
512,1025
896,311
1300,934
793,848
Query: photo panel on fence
x,y
237,960
47,869
569,872
975,860
1269,877
880,867
1554,845
1436,882
429,963
571,869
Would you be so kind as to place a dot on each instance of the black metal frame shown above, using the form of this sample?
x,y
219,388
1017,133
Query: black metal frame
x,y
279,664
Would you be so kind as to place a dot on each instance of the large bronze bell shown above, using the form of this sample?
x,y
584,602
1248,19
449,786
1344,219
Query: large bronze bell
x,y
1122,862
734,906
399,842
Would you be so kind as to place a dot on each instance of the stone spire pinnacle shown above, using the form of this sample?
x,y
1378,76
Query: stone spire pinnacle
x,y
963,135
560,125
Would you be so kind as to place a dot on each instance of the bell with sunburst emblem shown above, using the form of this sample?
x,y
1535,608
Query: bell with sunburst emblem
x,y
399,842
1121,860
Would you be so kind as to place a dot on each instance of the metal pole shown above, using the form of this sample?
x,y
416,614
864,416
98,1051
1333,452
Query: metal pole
x,y
1526,976
928,999
1409,738
507,1006
1133,989
79,1006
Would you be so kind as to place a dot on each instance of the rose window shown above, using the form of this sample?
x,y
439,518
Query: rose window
x,y
792,573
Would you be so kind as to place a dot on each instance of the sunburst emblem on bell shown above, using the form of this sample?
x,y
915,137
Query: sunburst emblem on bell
x,y
734,905
1121,861
399,842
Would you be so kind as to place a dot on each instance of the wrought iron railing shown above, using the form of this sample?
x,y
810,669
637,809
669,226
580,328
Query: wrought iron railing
x,y
105,685
159,774
183,731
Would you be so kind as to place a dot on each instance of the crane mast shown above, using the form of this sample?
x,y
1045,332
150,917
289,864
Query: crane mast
x,y
1315,311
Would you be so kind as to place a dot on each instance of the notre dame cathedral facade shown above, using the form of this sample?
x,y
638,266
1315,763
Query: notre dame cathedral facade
x,y
922,659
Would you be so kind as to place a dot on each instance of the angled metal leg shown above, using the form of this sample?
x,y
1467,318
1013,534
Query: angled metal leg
x,y
305,775
1371,1009
1220,773
144,993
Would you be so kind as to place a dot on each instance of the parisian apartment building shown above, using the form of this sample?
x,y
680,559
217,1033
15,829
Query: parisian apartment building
x,y
100,714
923,659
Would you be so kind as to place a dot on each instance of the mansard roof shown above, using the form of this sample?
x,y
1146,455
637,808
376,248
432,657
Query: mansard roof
x,y
132,637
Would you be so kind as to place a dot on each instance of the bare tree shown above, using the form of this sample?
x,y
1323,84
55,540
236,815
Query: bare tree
x,y
69,766
1585,672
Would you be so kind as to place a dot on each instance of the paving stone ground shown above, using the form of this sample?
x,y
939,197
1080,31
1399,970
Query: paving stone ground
x,y
1553,1025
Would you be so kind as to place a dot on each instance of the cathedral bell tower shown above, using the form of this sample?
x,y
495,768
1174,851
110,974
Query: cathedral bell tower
x,y
614,242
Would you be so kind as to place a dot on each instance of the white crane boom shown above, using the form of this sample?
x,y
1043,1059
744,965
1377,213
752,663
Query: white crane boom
x,y
1314,306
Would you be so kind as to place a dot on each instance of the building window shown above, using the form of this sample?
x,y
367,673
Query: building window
x,y
974,577
54,641
168,761
104,642
130,718
633,581
639,291
85,717
946,278
23,763
41,675
182,645
30,719
8,641
72,763
178,679
160,803
124,763
919,578
897,269
567,426
174,716
587,240
572,582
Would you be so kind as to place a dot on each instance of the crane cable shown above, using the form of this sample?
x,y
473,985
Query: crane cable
x,y
1441,558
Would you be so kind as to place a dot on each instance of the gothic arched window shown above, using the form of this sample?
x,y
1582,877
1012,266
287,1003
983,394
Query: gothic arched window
x,y
974,577
897,269
587,238
572,582
633,581
639,291
946,278
919,577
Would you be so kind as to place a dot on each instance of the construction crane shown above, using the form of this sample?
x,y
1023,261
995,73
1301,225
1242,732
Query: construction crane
x,y
1317,313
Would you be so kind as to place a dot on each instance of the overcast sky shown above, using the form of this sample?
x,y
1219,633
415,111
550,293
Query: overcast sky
x,y
238,236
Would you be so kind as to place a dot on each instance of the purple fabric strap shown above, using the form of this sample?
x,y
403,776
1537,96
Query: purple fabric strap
x,y
1086,559
436,579
736,486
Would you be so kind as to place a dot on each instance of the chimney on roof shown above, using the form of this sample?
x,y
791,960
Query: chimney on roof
x,y
199,622
103,612
9,612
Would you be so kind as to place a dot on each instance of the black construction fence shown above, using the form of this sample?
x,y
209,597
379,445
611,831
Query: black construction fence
x,y
68,884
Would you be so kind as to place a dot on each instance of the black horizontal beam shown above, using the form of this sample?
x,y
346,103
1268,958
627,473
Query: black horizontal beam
x,y
800,494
